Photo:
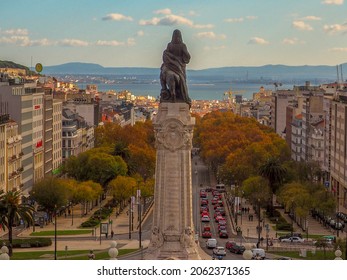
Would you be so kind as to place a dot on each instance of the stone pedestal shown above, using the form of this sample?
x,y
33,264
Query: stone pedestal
x,y
173,229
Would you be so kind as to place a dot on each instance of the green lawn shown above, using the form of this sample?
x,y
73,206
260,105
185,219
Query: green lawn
x,y
319,255
68,255
62,232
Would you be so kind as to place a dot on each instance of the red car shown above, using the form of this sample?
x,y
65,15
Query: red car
x,y
204,208
204,213
229,244
206,234
207,228
218,218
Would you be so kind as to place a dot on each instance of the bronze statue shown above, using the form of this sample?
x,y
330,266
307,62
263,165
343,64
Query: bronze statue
x,y
173,71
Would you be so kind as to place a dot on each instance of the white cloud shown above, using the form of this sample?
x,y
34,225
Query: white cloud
x,y
117,17
166,11
234,19
115,43
140,33
301,25
42,42
25,41
292,41
112,43
131,42
240,19
258,41
172,20
332,2
216,48
339,49
73,43
17,31
311,18
333,28
192,13
210,35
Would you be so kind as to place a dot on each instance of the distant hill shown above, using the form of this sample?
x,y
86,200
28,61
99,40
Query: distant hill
x,y
10,64
244,73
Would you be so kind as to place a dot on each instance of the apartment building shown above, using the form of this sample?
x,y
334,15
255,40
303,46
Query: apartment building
x,y
78,136
296,138
338,164
57,136
278,113
10,155
25,106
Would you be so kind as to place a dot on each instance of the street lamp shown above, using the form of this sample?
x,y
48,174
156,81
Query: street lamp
x,y
258,227
55,232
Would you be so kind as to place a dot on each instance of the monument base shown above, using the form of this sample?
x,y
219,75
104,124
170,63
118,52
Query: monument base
x,y
172,230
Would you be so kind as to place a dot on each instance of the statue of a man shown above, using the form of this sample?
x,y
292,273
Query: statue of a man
x,y
173,71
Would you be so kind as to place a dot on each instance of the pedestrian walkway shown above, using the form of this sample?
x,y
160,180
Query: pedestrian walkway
x,y
118,223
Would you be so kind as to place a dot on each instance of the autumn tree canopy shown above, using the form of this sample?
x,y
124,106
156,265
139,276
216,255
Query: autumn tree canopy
x,y
235,147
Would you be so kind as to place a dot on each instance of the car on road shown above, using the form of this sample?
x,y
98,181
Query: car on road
x,y
204,202
206,234
293,239
237,249
205,218
219,251
211,243
223,234
258,253
290,235
204,208
229,244
218,218
221,227
206,227
205,213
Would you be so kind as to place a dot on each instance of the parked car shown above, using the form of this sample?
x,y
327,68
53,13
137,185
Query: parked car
x,y
204,208
293,239
237,249
206,234
211,243
219,251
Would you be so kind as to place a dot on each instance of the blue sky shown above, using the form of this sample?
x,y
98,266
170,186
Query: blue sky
x,y
135,32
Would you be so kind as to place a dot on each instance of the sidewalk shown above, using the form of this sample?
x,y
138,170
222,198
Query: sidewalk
x,y
120,226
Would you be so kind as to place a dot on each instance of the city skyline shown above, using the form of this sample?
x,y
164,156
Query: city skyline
x,y
134,33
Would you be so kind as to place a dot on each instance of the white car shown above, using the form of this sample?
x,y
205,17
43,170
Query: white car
x,y
293,239
219,251
205,218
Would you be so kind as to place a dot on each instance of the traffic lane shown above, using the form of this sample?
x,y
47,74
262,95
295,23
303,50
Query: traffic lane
x,y
215,234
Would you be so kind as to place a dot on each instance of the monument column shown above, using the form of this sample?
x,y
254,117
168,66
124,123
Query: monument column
x,y
173,229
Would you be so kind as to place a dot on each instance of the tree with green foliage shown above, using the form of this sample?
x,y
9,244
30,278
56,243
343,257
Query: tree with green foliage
x,y
13,211
274,172
96,165
51,193
256,188
122,188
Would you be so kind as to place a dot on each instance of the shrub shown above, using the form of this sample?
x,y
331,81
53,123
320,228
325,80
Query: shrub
x,y
30,242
